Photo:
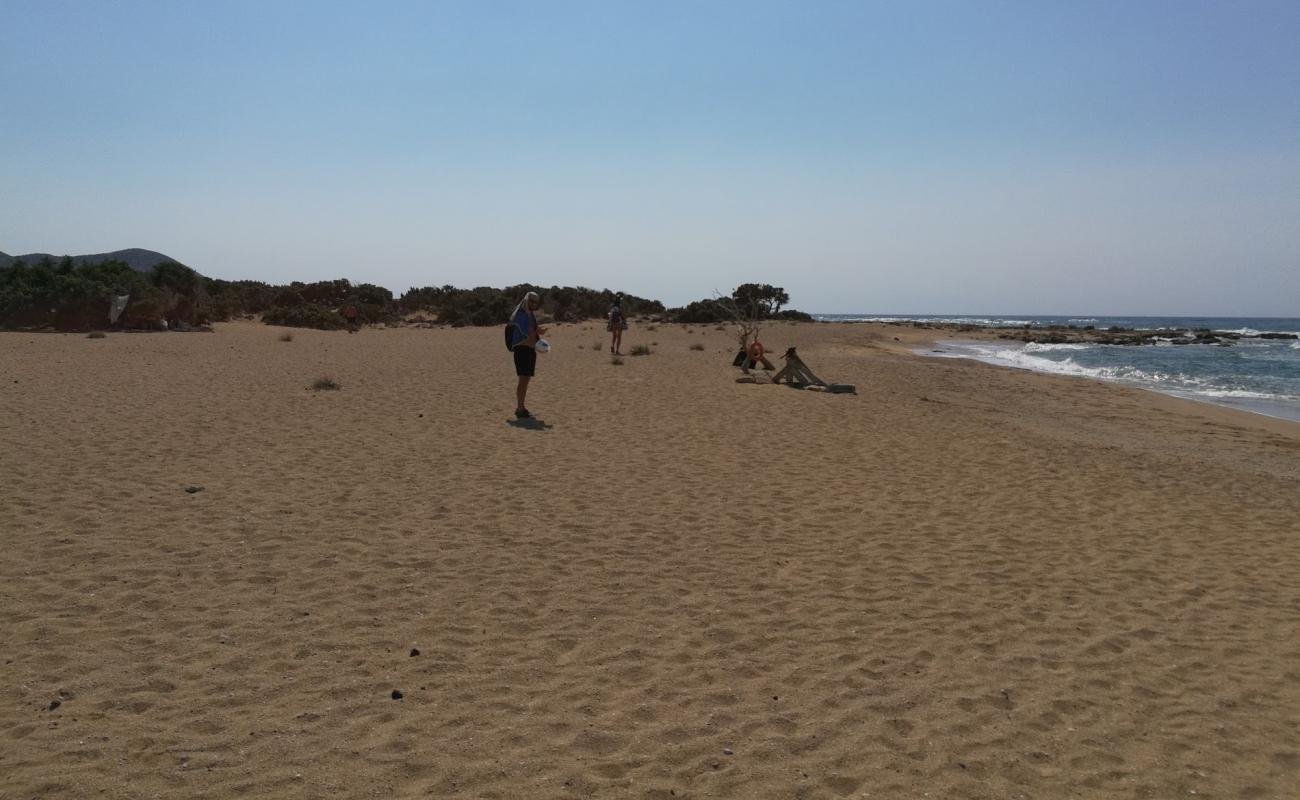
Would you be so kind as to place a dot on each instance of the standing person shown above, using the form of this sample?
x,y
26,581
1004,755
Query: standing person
x,y
617,324
524,333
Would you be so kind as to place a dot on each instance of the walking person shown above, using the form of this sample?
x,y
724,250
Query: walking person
x,y
617,324
524,333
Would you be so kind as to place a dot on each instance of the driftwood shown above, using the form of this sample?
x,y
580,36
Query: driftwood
x,y
795,372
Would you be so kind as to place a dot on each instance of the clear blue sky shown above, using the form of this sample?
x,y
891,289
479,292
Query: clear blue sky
x,y
972,157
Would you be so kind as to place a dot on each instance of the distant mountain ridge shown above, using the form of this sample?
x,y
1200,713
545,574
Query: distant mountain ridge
x,y
136,258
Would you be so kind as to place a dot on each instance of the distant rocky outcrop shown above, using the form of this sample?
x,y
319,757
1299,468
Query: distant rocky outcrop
x,y
1128,336
1071,334
136,258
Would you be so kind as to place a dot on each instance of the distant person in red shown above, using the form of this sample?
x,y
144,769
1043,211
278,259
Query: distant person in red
x,y
350,314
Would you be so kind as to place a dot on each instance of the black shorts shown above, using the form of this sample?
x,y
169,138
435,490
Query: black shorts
x,y
525,361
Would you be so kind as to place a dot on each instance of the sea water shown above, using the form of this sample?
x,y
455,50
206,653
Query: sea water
x,y
1260,375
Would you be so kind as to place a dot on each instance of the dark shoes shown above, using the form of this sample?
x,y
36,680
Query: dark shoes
x,y
523,413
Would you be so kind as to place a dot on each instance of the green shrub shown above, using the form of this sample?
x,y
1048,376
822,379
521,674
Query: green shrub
x,y
307,315
794,316
640,350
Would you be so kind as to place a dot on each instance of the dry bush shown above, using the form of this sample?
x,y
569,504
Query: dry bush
x,y
616,361
697,346
286,337
97,335
640,350
326,384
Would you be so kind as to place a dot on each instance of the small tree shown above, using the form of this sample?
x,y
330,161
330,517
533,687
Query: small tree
x,y
760,300
749,305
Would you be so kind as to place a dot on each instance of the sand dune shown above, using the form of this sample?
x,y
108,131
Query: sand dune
x,y
964,581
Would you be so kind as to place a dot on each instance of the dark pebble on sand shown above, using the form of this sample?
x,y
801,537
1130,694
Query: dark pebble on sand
x,y
397,695
55,704
193,489
415,651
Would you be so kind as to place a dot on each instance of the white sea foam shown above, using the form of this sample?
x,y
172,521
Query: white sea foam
x,y
1043,347
1206,389
1170,382
1254,331
980,322
1242,394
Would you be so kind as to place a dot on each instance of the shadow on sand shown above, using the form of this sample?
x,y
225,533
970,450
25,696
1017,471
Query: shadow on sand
x,y
530,424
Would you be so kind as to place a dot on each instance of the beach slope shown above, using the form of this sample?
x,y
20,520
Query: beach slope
x,y
964,581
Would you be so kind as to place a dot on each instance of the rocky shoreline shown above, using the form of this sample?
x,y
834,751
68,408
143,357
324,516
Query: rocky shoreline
x,y
1071,334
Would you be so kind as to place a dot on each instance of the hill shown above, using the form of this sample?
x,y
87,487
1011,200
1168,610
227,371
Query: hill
x,y
136,258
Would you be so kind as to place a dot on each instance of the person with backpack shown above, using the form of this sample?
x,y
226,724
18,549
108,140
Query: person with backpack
x,y
617,324
522,334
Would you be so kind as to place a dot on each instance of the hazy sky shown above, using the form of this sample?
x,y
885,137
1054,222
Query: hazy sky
x,y
910,157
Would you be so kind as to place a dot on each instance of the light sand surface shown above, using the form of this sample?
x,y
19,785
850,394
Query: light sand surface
x,y
963,582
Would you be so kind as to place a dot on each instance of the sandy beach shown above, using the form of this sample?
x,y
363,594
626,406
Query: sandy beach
x,y
962,582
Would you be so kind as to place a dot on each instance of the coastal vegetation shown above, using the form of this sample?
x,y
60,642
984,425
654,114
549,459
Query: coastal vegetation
x,y
73,293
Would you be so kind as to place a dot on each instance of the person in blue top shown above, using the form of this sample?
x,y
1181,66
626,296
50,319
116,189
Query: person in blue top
x,y
524,333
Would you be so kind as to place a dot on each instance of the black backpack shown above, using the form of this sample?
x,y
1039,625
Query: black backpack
x,y
509,325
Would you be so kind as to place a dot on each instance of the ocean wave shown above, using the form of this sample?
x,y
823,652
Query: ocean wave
x,y
979,322
1024,359
1254,331
1243,394
1169,381
1043,347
